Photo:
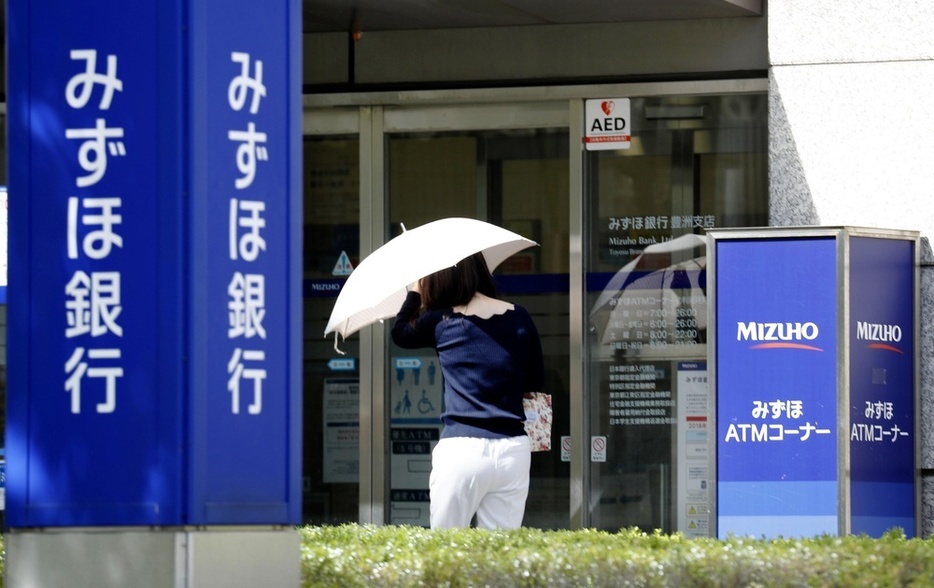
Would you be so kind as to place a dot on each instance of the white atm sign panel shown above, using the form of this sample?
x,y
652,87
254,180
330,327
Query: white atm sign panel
x,y
607,124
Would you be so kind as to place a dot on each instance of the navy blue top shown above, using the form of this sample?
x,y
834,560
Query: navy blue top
x,y
488,364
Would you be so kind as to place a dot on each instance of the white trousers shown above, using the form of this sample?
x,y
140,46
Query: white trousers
x,y
484,477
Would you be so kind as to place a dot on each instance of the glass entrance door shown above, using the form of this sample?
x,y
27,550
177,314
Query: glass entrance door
x,y
330,382
616,288
518,179
695,163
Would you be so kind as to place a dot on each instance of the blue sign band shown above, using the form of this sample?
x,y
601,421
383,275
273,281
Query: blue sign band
x,y
155,246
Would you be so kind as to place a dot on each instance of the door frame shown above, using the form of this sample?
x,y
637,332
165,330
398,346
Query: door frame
x,y
371,116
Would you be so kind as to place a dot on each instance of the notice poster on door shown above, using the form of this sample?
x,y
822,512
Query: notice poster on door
x,y
693,468
341,414
639,394
415,427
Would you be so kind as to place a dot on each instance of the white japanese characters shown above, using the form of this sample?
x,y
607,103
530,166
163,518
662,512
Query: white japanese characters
x,y
85,82
659,222
881,425
251,142
238,370
779,426
93,297
246,291
98,139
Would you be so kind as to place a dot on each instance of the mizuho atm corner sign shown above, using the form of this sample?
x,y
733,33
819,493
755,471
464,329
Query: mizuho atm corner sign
x,y
607,124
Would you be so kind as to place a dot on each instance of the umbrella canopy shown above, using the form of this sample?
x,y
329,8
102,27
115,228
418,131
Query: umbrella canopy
x,y
634,293
628,272
376,289
659,302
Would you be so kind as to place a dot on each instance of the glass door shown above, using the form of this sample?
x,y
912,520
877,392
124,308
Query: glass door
x,y
695,163
516,178
330,381
616,288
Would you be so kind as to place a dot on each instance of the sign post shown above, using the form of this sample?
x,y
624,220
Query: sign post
x,y
814,368
154,337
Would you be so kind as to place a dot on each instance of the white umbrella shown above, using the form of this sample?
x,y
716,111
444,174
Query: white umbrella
x,y
653,298
376,289
634,293
624,276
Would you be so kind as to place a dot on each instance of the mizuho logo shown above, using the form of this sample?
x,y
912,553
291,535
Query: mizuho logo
x,y
776,331
879,335
878,332
778,335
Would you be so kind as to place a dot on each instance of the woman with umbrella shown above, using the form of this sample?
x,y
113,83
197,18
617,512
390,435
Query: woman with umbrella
x,y
490,356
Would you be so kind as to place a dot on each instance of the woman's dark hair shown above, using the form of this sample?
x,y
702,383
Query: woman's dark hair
x,y
456,285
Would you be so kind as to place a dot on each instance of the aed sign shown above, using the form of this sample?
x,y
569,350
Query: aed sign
x,y
607,124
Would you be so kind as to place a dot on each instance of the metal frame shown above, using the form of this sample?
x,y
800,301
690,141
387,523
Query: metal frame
x,y
373,477
474,96
580,461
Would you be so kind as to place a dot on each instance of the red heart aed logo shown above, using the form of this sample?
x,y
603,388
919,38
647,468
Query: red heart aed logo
x,y
607,106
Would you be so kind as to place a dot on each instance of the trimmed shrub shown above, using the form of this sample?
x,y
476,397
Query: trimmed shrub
x,y
361,555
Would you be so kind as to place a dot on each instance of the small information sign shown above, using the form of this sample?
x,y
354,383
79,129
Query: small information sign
x,y
608,124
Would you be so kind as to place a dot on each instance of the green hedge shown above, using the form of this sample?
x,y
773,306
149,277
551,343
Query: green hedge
x,y
355,555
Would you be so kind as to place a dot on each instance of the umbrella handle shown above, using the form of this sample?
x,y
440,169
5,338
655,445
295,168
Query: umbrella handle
x,y
336,347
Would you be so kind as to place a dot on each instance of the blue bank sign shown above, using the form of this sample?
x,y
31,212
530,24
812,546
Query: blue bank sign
x,y
804,448
882,372
154,244
776,387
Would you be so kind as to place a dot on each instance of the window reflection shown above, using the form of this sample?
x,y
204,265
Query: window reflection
x,y
656,300
649,207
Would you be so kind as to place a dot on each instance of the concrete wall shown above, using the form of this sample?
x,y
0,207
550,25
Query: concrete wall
x,y
113,557
851,138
